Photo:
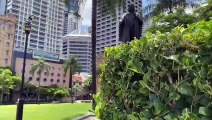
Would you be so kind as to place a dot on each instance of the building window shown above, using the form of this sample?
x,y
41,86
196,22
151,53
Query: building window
x,y
45,73
64,81
7,52
45,79
58,81
51,80
8,44
58,75
6,61
8,36
30,78
38,79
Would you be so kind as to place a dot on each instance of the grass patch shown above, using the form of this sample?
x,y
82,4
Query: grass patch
x,y
46,111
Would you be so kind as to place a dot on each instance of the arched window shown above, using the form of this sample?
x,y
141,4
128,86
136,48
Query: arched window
x,y
58,75
58,80
30,78
45,73
64,81
45,79
51,80
38,79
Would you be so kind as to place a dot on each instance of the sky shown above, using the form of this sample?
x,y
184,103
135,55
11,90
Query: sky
x,y
86,14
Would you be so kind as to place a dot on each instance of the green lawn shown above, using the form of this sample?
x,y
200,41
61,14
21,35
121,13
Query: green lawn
x,y
46,111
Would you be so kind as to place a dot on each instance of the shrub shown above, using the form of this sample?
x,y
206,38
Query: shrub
x,y
60,93
161,76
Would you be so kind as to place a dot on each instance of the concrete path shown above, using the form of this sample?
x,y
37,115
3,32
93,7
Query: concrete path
x,y
86,117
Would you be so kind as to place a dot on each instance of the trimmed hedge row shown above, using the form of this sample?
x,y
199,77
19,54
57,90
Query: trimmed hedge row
x,y
161,76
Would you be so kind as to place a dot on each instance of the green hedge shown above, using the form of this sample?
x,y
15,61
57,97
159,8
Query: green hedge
x,y
161,76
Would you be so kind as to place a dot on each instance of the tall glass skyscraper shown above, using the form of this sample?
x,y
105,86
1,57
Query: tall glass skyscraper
x,y
71,22
47,25
73,5
3,7
107,26
148,22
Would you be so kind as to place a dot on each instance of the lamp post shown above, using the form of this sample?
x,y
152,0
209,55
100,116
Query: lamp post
x,y
94,9
20,104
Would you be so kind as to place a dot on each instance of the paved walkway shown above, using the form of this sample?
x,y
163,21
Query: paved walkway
x,y
90,118
86,117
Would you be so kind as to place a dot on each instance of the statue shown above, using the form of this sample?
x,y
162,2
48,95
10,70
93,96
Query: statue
x,y
130,25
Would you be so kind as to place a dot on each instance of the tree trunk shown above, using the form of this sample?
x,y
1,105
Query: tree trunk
x,y
70,84
39,88
2,91
2,96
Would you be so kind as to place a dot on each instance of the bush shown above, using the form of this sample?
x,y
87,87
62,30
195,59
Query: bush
x,y
161,76
60,93
56,93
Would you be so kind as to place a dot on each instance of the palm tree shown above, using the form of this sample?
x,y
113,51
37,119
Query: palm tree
x,y
167,6
73,66
41,66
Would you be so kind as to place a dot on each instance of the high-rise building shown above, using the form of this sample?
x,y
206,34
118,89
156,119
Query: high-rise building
x,y
71,21
47,25
107,30
73,5
7,33
78,45
148,22
74,23
3,7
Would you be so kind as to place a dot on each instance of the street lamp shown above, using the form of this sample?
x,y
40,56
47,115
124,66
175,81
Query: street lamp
x,y
20,104
94,8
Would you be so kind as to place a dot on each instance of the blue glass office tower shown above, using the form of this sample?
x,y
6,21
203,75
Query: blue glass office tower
x,y
73,5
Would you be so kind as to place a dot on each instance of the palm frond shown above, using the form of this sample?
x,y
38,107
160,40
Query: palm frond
x,y
72,63
40,66
34,69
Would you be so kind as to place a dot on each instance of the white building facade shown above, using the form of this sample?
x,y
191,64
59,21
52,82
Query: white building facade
x,y
107,30
79,46
47,24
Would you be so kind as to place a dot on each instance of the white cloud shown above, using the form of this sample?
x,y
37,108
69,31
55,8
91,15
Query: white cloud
x,y
86,13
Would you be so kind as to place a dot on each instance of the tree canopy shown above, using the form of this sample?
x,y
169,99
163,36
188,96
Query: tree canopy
x,y
8,82
72,63
161,6
166,22
41,66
